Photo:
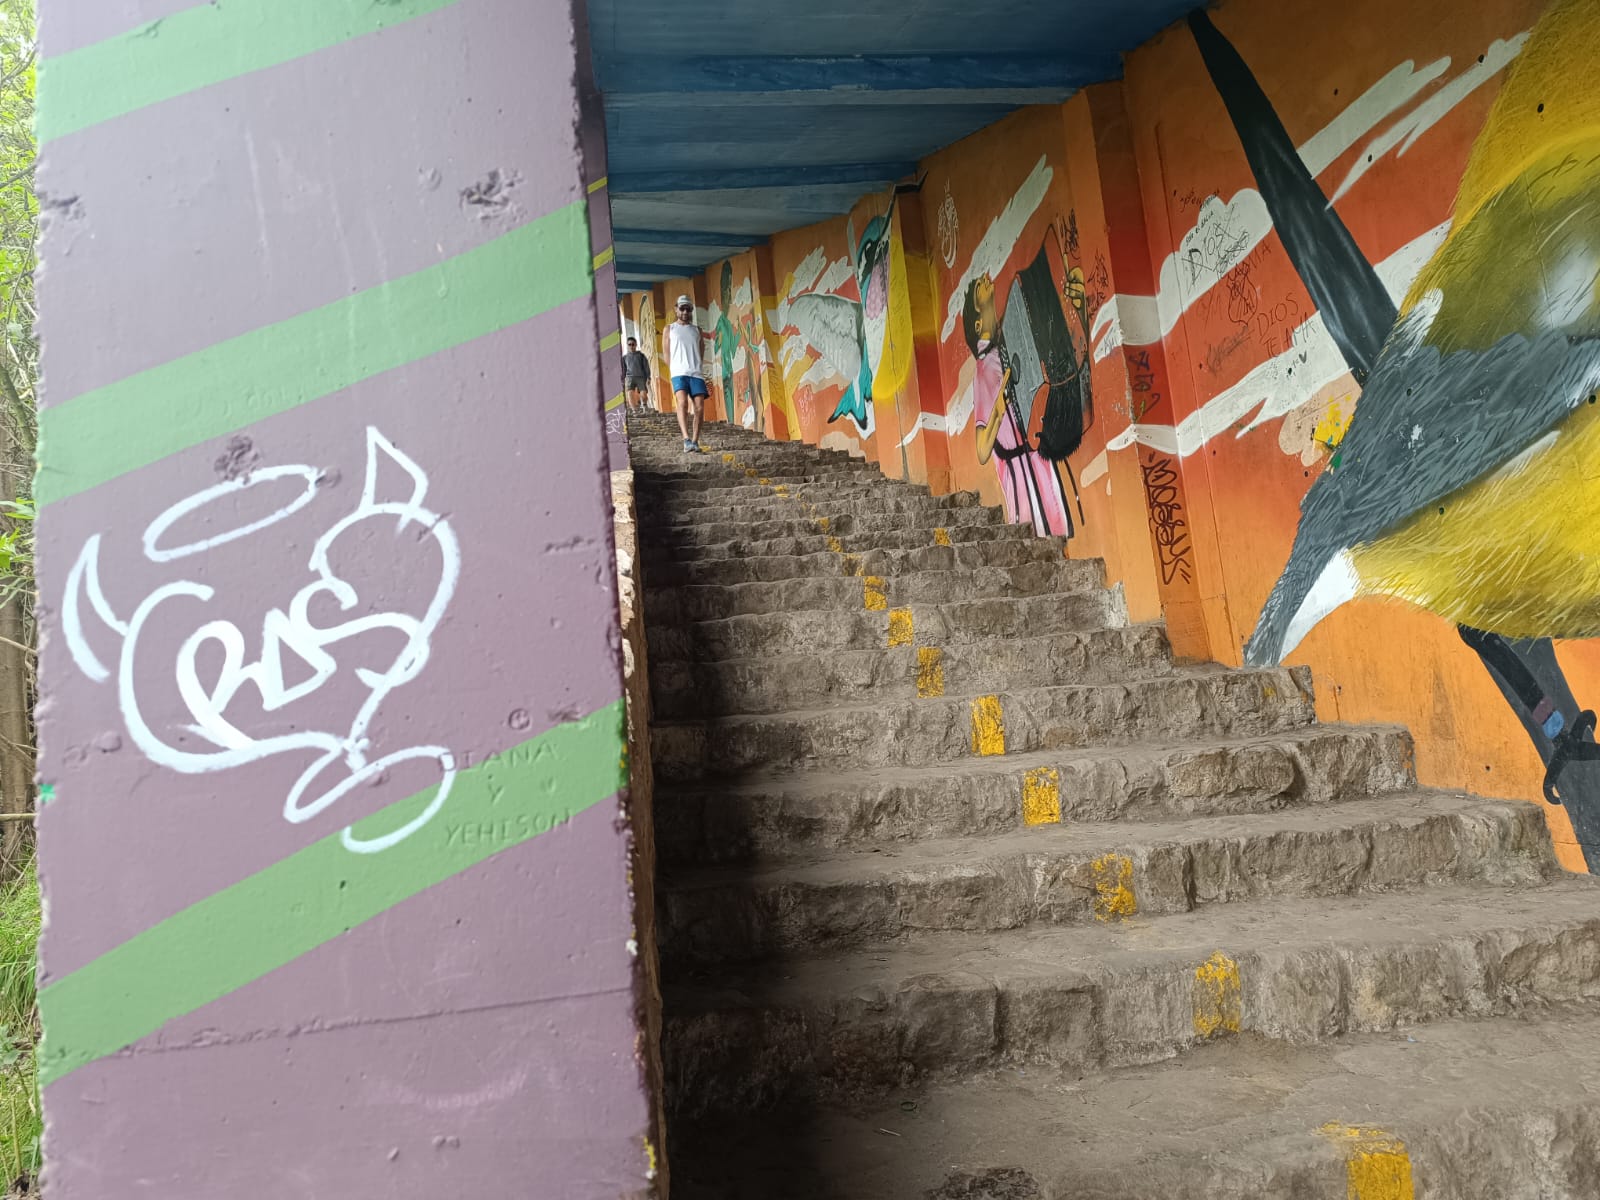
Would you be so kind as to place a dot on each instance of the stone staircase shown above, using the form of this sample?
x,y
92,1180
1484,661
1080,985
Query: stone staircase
x,y
967,890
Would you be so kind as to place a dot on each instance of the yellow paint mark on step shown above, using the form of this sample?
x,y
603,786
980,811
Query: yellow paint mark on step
x,y
751,472
988,727
730,457
835,544
902,627
1218,1007
824,524
1377,1166
781,490
930,672
1041,797
941,537
1113,887
852,564
873,597
764,481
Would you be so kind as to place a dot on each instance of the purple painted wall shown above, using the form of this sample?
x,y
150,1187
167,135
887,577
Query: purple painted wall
x,y
332,771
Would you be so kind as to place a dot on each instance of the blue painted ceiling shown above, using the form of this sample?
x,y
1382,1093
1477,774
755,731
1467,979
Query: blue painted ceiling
x,y
728,121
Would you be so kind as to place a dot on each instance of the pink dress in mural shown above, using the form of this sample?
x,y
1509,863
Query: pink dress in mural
x,y
1028,479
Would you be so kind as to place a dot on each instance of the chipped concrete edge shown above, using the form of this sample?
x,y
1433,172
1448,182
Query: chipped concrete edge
x,y
641,816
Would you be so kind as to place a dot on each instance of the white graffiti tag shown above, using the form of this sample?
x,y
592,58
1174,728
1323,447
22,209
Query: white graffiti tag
x,y
343,758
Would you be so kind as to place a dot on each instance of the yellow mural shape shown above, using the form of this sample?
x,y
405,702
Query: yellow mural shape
x,y
902,627
988,727
1041,797
1331,428
1218,1006
873,597
1113,887
930,672
1377,1166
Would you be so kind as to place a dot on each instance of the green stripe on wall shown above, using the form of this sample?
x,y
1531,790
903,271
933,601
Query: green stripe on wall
x,y
271,918
134,422
198,47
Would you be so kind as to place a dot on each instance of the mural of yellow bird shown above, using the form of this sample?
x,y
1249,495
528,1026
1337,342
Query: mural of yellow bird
x,y
1469,480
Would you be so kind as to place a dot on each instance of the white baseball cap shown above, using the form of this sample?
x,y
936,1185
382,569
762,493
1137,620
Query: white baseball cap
x,y
682,300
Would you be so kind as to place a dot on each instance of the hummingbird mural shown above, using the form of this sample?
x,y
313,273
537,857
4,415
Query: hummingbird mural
x,y
851,335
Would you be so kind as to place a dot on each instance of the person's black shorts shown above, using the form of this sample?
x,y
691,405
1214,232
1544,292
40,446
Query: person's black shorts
x,y
637,383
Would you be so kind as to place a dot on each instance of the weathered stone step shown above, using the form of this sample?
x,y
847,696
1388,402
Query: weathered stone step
x,y
824,631
822,560
687,499
948,1005
709,602
1492,1109
786,815
733,687
656,551
1078,874
706,533
686,485
1190,703
832,503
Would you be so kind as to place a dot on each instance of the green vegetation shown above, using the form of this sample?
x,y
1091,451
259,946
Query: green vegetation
x,y
20,1123
20,1120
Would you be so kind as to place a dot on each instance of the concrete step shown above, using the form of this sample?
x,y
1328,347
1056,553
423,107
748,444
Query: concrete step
x,y
830,504
845,1025
744,493
711,532
685,485
1082,874
670,605
766,684
825,631
1191,703
659,552
1495,1109
787,815
823,559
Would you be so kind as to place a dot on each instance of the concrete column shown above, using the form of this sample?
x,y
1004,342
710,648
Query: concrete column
x,y
332,766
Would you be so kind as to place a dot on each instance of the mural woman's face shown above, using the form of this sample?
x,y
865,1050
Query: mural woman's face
x,y
983,297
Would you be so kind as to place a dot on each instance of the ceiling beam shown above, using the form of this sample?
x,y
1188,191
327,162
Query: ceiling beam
x,y
689,257
686,237
655,271
858,79
633,182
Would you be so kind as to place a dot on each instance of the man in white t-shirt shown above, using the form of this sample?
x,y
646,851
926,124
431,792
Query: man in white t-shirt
x,y
683,340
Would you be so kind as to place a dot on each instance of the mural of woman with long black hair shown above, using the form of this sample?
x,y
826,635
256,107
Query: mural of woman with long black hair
x,y
1025,353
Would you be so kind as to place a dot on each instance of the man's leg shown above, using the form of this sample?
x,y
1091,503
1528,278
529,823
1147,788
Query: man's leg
x,y
633,400
683,416
699,415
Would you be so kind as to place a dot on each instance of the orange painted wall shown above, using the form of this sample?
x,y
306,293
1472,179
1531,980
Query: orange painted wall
x,y
1374,659
1219,396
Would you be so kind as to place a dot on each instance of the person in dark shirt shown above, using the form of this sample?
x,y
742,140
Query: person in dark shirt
x,y
636,376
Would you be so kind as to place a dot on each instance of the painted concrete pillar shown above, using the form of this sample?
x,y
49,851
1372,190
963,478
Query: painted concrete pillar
x,y
332,765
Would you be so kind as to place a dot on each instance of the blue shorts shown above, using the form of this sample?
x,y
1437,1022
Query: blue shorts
x,y
692,384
